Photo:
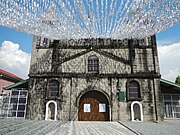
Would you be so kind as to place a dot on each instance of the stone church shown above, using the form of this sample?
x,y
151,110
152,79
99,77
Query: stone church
x,y
94,80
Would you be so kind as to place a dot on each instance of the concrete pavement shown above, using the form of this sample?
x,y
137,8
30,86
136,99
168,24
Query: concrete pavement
x,y
166,127
91,128
32,127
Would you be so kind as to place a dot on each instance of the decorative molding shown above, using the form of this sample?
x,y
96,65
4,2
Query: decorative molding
x,y
112,56
86,75
132,111
55,111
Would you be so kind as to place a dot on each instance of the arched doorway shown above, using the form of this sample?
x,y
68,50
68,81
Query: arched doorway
x,y
136,111
93,106
51,110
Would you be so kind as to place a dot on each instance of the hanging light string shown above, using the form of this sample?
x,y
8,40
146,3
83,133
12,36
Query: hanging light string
x,y
75,19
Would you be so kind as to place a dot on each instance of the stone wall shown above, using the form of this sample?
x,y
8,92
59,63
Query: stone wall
x,y
1,104
119,61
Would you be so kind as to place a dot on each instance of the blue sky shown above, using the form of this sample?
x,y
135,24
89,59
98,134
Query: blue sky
x,y
21,43
23,39
169,36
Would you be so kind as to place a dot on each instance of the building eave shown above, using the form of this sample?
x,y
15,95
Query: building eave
x,y
16,85
170,83
9,76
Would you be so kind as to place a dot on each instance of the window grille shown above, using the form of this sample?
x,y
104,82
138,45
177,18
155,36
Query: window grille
x,y
171,105
93,64
133,91
14,105
54,88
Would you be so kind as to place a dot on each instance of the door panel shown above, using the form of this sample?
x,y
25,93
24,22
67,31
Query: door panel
x,y
93,112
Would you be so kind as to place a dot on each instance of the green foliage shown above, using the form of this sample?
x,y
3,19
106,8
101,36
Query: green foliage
x,y
177,80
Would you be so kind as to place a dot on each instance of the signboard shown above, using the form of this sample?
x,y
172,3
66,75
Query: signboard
x,y
87,108
102,107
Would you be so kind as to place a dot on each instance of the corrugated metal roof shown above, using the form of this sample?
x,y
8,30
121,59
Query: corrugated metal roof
x,y
16,84
170,83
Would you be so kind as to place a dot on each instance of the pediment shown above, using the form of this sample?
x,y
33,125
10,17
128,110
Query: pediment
x,y
107,64
69,54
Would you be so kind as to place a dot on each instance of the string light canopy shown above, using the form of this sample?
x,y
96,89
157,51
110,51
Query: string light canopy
x,y
75,19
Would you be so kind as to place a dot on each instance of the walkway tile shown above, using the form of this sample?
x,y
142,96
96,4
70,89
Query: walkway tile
x,y
91,128
32,127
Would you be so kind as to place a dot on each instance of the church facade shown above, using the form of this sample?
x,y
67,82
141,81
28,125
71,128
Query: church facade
x,y
95,80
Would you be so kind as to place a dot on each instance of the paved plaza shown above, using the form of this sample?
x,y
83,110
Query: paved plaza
x,y
166,127
32,127
91,128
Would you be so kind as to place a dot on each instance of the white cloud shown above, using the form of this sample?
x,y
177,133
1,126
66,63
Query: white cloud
x,y
169,58
14,60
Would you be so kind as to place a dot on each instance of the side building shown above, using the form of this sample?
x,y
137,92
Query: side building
x,y
171,99
14,103
6,79
95,80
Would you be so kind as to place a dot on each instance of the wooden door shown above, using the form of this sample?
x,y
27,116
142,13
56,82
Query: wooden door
x,y
93,106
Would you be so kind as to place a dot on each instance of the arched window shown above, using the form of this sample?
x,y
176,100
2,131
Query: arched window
x,y
93,64
54,88
133,91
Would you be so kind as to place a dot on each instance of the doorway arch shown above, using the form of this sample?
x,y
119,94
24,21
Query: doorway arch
x,y
93,106
136,111
51,110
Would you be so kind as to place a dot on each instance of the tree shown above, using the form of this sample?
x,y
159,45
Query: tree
x,y
177,80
